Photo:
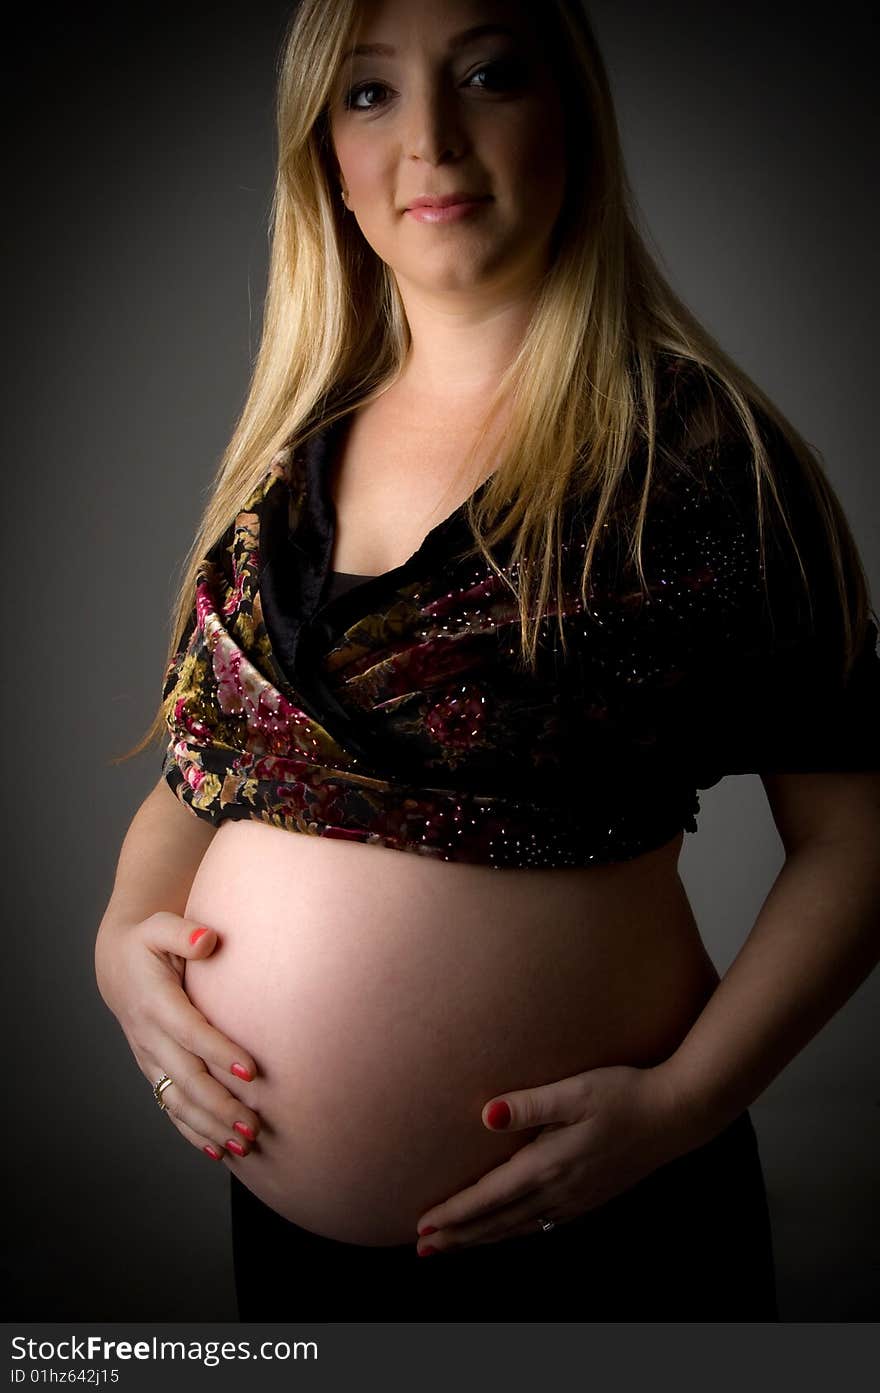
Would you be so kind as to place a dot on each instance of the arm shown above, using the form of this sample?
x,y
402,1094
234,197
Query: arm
x,y
600,1132
814,942
160,855
141,952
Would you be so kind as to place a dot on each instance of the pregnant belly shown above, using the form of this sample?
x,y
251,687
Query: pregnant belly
x,y
387,997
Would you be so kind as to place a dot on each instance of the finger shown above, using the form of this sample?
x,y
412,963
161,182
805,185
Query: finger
x,y
183,939
205,1106
562,1101
171,1012
184,1027
180,1041
511,1221
517,1176
187,939
211,1149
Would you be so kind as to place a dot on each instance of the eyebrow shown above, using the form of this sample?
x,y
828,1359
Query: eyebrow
x,y
477,31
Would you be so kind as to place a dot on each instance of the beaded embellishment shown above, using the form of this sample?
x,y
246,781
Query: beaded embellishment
x,y
398,715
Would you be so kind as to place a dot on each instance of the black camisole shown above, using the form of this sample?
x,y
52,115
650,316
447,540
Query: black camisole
x,y
338,582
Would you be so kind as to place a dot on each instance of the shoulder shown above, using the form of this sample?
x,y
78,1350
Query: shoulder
x,y
754,471
743,490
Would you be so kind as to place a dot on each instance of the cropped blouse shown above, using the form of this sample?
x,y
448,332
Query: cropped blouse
x,y
391,710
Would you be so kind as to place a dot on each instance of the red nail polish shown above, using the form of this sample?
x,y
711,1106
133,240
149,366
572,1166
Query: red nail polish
x,y
242,1072
236,1148
498,1114
196,935
426,1252
430,1229
245,1130
215,1155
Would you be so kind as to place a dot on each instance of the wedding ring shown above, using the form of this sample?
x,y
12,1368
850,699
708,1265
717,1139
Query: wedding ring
x,y
159,1088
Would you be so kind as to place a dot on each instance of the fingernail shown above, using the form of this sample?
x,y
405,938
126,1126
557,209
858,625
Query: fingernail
x,y
242,1072
196,935
430,1229
426,1252
215,1155
498,1113
245,1130
236,1148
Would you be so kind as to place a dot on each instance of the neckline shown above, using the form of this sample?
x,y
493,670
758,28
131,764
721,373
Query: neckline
x,y
319,454
291,572
293,566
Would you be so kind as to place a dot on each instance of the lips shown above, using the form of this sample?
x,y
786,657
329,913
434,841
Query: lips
x,y
445,200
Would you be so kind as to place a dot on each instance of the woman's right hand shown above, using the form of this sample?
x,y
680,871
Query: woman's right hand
x,y
139,970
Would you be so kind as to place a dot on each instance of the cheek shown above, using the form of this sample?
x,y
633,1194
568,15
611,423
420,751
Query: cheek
x,y
366,176
542,147
367,167
539,173
372,192
357,159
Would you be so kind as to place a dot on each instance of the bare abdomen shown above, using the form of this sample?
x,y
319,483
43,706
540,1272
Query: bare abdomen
x,y
386,997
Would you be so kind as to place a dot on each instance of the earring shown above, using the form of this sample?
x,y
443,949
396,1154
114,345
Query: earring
x,y
342,195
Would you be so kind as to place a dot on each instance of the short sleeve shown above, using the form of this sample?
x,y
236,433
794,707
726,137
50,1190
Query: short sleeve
x,y
729,676
191,716
178,697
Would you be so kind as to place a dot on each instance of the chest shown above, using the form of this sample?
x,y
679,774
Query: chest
x,y
391,481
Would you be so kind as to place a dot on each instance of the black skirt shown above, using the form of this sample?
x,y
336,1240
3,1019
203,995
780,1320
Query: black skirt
x,y
691,1241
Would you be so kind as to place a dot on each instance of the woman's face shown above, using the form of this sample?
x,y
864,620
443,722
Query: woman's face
x,y
439,112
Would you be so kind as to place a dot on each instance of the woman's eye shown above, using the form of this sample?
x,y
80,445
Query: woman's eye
x,y
506,73
501,74
355,92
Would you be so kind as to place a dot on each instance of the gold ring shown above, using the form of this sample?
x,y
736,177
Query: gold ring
x,y
159,1088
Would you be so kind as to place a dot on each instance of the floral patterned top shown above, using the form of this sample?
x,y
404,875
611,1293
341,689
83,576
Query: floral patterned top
x,y
393,712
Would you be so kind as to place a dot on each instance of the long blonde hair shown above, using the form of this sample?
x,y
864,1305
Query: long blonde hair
x,y
581,388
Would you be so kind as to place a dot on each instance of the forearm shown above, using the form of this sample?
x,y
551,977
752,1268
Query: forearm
x,y
160,854
816,939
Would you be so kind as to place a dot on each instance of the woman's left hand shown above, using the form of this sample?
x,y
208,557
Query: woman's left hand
x,y
602,1132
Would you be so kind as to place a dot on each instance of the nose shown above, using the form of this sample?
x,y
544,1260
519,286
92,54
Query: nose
x,y
434,129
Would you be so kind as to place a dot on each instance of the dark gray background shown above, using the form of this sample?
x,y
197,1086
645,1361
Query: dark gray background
x,y
141,146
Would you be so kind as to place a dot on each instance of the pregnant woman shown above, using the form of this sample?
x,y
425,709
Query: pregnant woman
x,y
505,560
